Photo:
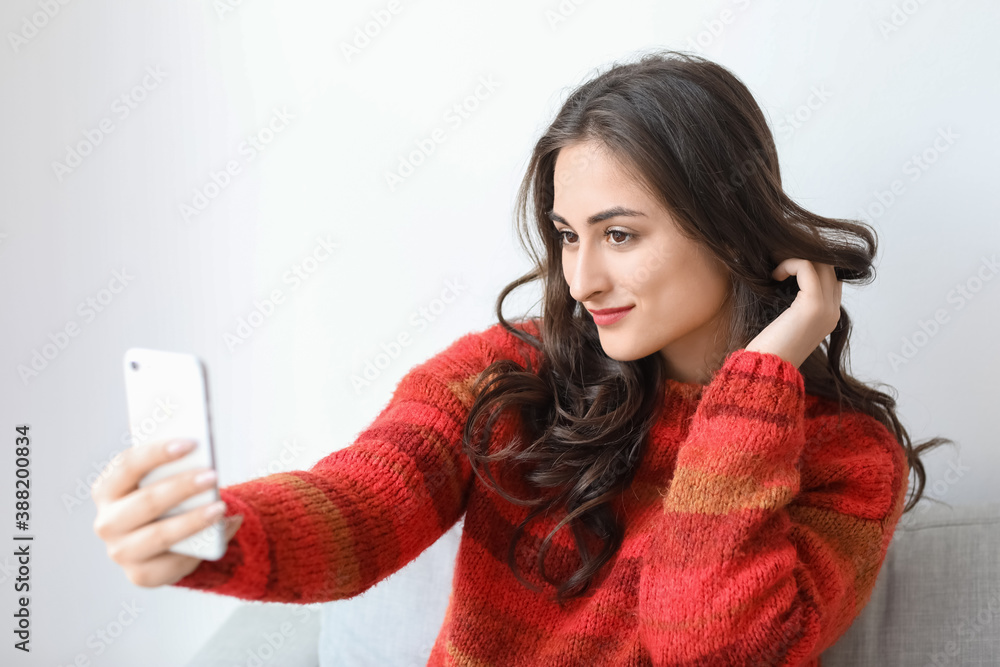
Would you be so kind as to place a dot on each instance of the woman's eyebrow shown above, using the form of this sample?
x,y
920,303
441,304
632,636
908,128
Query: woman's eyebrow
x,y
614,212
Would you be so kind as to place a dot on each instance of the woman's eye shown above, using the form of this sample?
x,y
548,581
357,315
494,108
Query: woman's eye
x,y
563,240
562,236
618,231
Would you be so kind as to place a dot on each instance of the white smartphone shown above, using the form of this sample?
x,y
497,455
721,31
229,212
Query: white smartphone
x,y
167,394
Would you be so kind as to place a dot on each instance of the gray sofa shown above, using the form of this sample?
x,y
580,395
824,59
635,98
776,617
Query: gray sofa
x,y
936,602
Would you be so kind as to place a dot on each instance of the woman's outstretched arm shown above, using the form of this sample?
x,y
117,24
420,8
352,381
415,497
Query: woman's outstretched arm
x,y
362,512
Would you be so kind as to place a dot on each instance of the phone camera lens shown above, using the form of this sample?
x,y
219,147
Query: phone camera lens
x,y
135,365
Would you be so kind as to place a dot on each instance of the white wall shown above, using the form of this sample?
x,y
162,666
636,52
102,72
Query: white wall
x,y
888,95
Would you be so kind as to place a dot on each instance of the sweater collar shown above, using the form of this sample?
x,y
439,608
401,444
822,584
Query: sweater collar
x,y
686,391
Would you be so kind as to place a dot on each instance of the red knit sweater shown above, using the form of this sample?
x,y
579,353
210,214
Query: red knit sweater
x,y
754,528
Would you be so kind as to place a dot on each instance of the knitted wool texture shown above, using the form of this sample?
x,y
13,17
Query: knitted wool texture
x,y
755,526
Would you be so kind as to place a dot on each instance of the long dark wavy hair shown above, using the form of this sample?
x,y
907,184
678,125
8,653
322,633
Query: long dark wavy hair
x,y
690,130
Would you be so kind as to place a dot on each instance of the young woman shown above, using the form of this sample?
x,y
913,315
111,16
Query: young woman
x,y
669,466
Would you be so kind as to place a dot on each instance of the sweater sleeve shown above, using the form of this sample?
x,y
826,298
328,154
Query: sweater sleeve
x,y
364,511
773,527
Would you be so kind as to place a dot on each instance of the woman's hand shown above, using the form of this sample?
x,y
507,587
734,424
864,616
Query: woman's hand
x,y
814,313
127,515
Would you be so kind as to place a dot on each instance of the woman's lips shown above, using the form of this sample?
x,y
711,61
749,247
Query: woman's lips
x,y
609,315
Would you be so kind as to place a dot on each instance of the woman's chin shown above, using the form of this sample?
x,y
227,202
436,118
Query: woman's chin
x,y
621,352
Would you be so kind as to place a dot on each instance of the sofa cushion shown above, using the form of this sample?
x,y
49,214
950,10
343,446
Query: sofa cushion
x,y
937,597
262,633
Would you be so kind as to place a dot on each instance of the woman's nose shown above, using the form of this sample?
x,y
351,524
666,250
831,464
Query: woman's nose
x,y
588,275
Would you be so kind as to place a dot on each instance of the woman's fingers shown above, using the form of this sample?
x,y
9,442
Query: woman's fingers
x,y
819,287
805,275
165,569
157,537
812,277
142,506
123,474
128,516
831,289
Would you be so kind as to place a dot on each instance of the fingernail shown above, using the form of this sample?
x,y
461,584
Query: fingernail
x,y
205,478
178,446
215,510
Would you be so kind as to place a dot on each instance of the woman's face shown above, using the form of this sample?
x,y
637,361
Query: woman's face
x,y
635,256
